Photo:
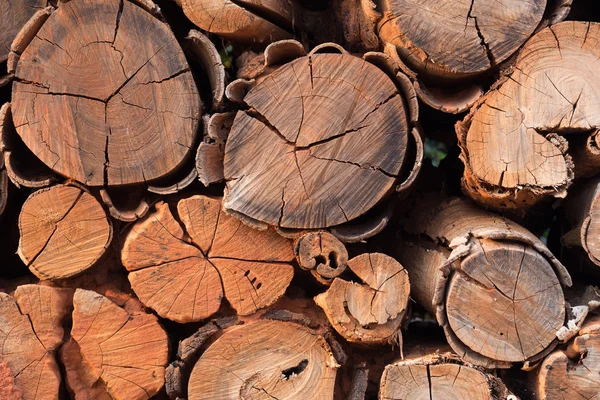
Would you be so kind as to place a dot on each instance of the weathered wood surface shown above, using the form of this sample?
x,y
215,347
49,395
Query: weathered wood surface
x,y
485,278
15,13
183,270
322,254
131,119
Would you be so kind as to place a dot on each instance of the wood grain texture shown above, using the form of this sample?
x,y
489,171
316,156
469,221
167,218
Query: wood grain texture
x,y
573,373
373,311
511,142
183,271
129,119
15,13
265,360
485,278
321,254
458,38
128,352
322,142
63,232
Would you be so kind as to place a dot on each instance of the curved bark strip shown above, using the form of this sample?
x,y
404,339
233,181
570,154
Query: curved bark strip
x,y
265,359
439,376
332,131
63,232
582,209
209,157
512,142
458,38
124,353
15,14
573,373
485,278
371,312
183,270
22,166
256,22
25,332
321,254
3,186
131,121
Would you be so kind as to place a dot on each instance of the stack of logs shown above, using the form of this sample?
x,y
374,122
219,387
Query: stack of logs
x,y
238,199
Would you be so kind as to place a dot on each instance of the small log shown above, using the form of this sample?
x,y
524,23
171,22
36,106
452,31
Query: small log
x,y
63,230
308,178
26,327
183,270
209,158
131,121
15,14
265,359
440,376
485,278
321,254
582,209
371,312
121,355
256,22
574,372
512,141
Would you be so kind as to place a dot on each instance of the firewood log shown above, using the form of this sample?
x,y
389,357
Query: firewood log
x,y
582,210
209,158
574,372
516,141
321,254
63,231
334,134
371,312
113,353
440,376
31,331
130,120
485,278
182,262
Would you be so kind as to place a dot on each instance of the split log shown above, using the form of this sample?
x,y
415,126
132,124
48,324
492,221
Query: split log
x,y
582,209
265,359
256,22
371,312
30,331
440,376
321,254
114,353
182,270
512,141
131,121
485,278
572,373
333,131
15,14
63,232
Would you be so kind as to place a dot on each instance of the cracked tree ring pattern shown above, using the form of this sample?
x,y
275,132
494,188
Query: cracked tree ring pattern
x,y
322,141
104,95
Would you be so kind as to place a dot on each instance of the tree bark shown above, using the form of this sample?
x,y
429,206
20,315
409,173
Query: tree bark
x,y
512,141
64,231
182,262
371,312
484,278
131,121
573,372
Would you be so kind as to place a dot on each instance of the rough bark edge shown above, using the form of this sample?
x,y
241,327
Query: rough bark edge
x,y
25,36
283,51
366,226
216,131
125,215
175,187
8,134
322,272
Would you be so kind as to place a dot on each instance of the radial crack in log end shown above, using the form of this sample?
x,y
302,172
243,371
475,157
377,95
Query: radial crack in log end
x,y
320,124
143,91
265,359
125,352
371,312
64,231
514,141
182,265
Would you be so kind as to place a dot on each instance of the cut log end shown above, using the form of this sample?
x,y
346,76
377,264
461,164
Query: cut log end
x,y
132,121
321,254
64,231
182,270
371,312
336,119
265,359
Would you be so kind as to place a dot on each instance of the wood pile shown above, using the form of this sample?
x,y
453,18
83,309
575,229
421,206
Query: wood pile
x,y
299,199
